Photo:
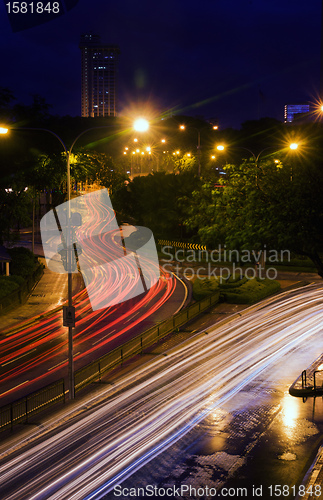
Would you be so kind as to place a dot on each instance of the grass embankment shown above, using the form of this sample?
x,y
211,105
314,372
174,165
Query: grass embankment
x,y
235,290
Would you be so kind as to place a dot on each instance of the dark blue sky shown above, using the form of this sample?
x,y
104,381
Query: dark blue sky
x,y
231,59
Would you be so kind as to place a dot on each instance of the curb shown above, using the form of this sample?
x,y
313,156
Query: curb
x,y
313,479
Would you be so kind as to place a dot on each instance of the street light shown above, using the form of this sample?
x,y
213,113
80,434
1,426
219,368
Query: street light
x,y
141,125
293,146
221,147
68,311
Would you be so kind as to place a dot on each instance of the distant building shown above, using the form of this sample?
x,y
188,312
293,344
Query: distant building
x,y
99,77
291,110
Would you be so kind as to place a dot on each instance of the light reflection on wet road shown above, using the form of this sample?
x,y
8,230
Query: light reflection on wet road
x,y
222,395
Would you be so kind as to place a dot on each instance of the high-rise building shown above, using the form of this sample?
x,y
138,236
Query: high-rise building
x,y
295,111
99,76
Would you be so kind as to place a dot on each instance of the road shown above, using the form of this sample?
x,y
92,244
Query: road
x,y
148,411
35,354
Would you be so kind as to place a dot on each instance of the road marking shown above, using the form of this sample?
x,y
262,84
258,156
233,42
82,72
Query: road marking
x,y
108,335
10,390
55,366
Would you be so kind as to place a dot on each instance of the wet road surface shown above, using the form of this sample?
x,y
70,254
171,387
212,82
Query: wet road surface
x,y
199,415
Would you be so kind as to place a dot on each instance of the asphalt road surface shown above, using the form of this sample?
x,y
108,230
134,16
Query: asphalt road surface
x,y
141,422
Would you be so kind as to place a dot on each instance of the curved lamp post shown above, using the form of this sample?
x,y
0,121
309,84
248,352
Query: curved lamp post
x,y
221,147
293,146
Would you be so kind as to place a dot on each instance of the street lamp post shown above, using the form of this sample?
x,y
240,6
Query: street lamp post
x,y
69,311
68,256
293,146
221,147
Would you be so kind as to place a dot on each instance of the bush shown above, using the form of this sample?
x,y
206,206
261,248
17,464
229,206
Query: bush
x,y
7,286
24,266
18,279
233,282
236,290
203,288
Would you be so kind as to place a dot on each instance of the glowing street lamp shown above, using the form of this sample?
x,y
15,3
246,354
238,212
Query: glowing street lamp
x,y
3,130
141,125
293,145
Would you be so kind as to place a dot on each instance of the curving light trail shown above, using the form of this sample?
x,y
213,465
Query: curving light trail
x,y
36,347
145,412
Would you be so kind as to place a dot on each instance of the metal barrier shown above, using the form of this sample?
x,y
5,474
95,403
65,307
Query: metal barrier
x,y
18,411
314,386
317,388
303,379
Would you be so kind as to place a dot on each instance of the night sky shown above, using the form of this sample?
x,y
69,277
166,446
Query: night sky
x,y
235,60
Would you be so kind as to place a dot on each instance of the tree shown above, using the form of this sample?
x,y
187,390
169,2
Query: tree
x,y
101,168
153,201
279,205
30,115
15,208
6,98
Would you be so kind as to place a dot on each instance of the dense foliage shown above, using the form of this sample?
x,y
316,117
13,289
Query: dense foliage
x,y
274,205
155,201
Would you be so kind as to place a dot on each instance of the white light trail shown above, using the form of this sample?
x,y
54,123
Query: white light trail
x,y
158,403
